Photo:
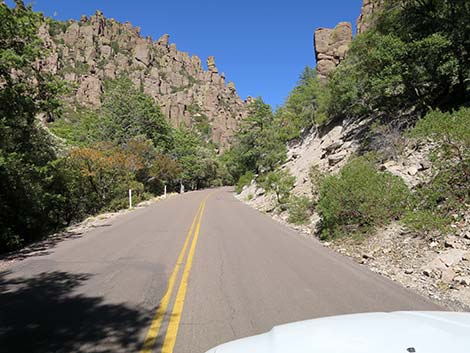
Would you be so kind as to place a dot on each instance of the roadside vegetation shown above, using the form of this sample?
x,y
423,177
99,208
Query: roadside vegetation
x,y
410,72
359,198
92,157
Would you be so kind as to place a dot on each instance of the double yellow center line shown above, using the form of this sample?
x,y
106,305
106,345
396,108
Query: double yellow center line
x,y
175,318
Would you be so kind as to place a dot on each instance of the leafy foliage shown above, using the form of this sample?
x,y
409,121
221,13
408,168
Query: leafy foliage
x,y
360,198
127,112
127,143
304,106
413,59
299,208
244,180
449,190
258,147
279,183
28,208
198,161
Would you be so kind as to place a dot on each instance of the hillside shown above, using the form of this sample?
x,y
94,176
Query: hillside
x,y
90,110
378,164
88,52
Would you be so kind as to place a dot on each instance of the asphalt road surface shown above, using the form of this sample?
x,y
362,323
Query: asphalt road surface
x,y
182,276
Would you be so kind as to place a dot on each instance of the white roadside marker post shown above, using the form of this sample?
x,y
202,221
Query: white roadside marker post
x,y
164,191
130,198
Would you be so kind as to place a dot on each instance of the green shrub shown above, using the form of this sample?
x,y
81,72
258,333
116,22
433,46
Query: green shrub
x,y
115,46
57,27
359,199
316,177
279,183
81,68
424,221
448,192
244,180
299,209
451,131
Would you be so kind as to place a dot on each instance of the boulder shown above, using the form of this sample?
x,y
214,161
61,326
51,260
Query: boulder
x,y
164,39
142,53
231,87
211,65
89,91
451,257
336,158
466,256
448,275
105,51
71,34
332,147
434,268
331,47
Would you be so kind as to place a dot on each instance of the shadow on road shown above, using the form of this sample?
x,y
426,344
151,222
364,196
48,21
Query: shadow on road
x,y
41,247
42,314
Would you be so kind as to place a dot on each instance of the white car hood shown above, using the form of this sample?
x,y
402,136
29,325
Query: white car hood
x,y
399,332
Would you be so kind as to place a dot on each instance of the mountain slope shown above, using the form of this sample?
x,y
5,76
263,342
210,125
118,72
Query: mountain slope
x,y
88,52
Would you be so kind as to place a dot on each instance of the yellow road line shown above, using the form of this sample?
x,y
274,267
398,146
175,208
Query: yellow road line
x,y
157,321
172,331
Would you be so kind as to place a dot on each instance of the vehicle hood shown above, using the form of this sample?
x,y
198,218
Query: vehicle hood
x,y
399,332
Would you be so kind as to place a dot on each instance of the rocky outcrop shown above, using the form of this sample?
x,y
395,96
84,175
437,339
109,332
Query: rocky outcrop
x,y
332,44
331,47
434,265
365,20
94,49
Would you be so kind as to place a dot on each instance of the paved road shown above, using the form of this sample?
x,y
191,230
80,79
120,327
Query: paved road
x,y
181,276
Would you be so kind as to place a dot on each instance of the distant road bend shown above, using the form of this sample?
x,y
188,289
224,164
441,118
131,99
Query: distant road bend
x,y
181,276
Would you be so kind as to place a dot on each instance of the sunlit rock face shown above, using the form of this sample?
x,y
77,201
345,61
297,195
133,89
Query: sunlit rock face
x,y
331,47
365,20
89,51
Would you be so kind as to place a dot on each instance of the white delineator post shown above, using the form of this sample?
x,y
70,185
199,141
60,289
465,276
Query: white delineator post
x,y
130,198
164,191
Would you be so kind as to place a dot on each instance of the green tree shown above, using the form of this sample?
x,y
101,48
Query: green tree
x,y
257,147
26,149
414,59
304,106
279,183
197,159
127,112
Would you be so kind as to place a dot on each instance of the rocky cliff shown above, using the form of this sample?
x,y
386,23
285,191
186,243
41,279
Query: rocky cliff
x,y
89,51
332,44
331,47
365,20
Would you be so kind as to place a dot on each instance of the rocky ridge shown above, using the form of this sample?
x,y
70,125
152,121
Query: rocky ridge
x,y
89,51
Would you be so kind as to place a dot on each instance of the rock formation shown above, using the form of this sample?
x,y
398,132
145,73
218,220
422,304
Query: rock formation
x,y
365,20
331,47
88,51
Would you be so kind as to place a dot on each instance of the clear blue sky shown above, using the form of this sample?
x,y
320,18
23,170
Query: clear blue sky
x,y
261,45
